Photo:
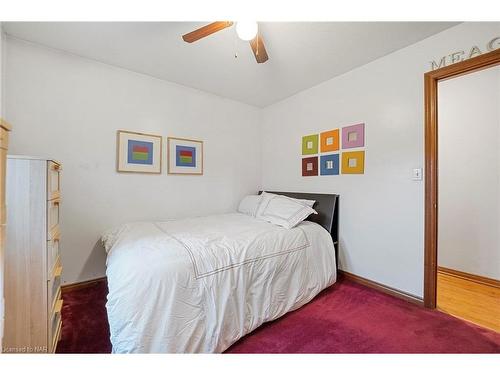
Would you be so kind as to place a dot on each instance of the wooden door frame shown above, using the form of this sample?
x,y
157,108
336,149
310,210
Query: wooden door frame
x,y
431,80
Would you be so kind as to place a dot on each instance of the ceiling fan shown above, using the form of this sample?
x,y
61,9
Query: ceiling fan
x,y
247,31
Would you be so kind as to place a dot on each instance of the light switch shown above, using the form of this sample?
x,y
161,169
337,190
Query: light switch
x,y
416,174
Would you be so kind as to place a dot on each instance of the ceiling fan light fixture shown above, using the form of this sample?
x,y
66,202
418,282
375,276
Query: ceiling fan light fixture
x,y
246,30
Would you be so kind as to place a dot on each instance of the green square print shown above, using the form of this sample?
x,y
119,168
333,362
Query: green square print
x,y
310,144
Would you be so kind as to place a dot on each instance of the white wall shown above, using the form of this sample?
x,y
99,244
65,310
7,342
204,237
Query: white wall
x,y
382,211
469,173
69,108
2,308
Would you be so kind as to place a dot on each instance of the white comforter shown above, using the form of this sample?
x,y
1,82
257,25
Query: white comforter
x,y
200,284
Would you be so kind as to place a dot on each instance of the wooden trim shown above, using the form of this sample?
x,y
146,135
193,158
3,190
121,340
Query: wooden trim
x,y
470,277
477,63
168,156
82,284
4,124
430,217
382,288
431,80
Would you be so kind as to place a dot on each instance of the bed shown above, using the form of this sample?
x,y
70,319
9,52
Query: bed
x,y
197,285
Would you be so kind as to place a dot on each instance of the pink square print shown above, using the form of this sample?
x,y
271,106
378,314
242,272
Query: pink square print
x,y
353,136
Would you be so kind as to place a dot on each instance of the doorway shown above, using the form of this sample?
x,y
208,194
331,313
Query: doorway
x,y
432,80
468,258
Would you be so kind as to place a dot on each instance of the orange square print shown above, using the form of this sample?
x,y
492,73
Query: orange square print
x,y
330,141
353,162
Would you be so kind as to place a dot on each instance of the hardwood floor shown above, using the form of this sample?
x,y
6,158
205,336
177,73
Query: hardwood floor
x,y
469,300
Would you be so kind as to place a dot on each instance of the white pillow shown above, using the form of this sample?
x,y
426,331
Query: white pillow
x,y
307,202
282,210
249,205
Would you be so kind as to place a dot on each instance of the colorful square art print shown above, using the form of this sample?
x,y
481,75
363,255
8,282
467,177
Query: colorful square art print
x,y
329,165
329,141
185,156
353,136
310,144
310,166
138,152
353,162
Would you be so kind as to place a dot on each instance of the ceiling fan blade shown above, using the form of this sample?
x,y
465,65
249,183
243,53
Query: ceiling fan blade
x,y
258,49
204,31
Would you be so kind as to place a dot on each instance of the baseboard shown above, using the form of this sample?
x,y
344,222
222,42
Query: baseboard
x,y
349,276
470,277
81,284
383,288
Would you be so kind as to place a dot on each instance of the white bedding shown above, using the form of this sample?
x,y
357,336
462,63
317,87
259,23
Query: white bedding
x,y
198,285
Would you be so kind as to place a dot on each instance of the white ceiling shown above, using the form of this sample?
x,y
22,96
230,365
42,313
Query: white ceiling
x,y
301,55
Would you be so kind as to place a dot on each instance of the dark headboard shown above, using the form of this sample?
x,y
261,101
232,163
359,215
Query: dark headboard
x,y
327,206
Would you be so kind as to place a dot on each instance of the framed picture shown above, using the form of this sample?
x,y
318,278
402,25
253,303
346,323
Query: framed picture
x,y
185,156
138,152
310,166
353,136
330,140
353,162
310,144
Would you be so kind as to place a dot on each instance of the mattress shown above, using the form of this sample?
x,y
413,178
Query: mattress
x,y
198,285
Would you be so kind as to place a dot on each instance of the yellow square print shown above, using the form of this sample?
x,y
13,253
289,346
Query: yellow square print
x,y
353,162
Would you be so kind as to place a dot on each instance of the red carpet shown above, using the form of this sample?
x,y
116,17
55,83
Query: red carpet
x,y
345,318
85,326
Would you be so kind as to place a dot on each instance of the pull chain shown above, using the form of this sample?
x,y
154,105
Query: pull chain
x,y
235,46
